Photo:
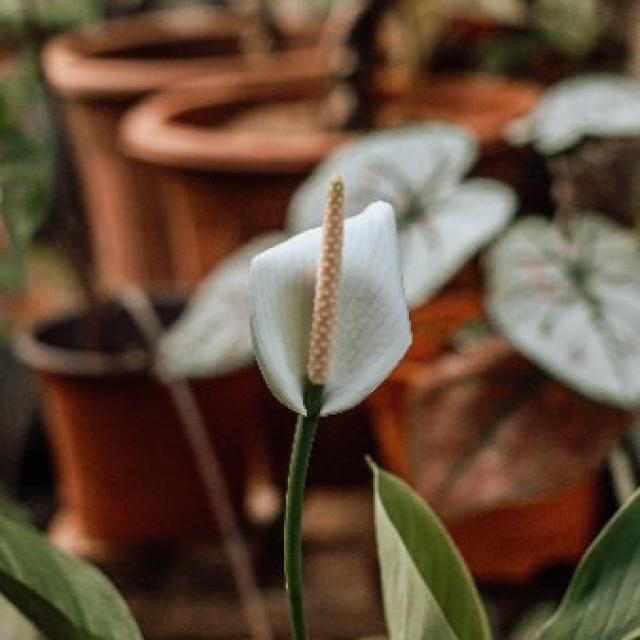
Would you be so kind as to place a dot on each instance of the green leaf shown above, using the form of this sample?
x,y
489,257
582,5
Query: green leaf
x,y
427,589
65,598
602,600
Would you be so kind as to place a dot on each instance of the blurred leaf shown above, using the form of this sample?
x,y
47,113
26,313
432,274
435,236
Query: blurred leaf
x,y
47,16
442,222
212,335
14,626
427,589
571,303
65,598
602,600
529,627
573,26
594,105
24,168
486,428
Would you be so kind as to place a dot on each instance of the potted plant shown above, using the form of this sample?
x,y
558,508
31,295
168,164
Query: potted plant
x,y
98,73
206,141
440,229
590,154
427,590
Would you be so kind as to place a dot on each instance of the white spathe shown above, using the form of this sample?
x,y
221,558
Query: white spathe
x,y
592,105
212,336
572,306
442,221
373,330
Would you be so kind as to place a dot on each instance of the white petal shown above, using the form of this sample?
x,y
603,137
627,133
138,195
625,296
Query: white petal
x,y
373,327
212,335
452,230
596,105
384,166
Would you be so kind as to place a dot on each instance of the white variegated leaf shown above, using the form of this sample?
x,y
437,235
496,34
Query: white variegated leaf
x,y
373,329
595,105
572,305
441,223
434,247
387,165
212,336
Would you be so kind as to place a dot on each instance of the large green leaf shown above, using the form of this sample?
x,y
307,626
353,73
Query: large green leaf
x,y
65,598
602,602
571,303
428,591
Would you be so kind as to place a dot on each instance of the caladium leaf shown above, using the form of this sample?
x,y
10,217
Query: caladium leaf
x,y
594,105
434,247
65,598
571,302
390,165
212,336
441,223
427,589
602,600
373,330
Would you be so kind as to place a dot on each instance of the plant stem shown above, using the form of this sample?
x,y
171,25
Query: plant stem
x,y
300,454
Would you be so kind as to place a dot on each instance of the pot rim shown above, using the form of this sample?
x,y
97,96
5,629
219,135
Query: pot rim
x,y
48,358
73,64
149,131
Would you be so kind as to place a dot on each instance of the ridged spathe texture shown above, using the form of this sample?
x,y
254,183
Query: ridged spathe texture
x,y
372,331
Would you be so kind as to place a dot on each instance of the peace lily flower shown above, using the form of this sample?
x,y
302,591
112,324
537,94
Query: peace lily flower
x,y
442,220
329,322
595,105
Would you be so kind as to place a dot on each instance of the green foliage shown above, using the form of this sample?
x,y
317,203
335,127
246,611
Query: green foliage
x,y
571,26
25,167
45,17
428,592
427,589
65,598
602,600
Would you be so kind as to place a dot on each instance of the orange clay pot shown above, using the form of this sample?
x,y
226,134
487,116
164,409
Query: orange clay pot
x,y
509,517
98,73
126,475
228,160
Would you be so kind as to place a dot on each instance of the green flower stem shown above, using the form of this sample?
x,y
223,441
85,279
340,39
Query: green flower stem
x,y
302,445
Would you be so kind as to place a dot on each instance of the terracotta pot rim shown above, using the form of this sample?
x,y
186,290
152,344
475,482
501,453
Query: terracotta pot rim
x,y
76,63
45,357
149,132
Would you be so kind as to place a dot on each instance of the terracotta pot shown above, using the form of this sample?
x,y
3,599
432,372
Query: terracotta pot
x,y
229,161
225,180
125,471
506,455
97,74
433,327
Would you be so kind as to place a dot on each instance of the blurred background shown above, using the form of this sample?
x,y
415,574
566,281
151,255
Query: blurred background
x,y
143,143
